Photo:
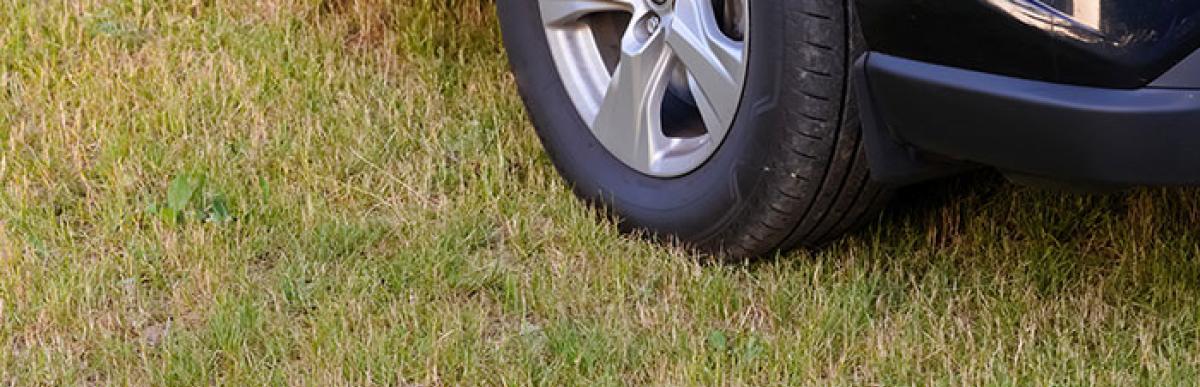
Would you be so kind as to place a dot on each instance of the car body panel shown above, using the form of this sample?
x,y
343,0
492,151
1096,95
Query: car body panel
x,y
1069,133
1103,43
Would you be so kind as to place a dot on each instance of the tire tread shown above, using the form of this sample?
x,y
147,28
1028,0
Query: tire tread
x,y
822,145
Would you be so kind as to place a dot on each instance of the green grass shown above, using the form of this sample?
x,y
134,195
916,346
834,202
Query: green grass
x,y
347,192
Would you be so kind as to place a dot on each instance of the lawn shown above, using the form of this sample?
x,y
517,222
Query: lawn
x,y
347,192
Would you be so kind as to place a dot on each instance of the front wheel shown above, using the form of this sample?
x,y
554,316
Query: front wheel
x,y
727,124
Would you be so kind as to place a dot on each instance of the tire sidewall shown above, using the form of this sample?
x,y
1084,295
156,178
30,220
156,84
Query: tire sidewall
x,y
692,207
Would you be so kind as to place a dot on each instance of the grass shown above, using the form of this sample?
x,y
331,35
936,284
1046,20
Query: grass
x,y
347,192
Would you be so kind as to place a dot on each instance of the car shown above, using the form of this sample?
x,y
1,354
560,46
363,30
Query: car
x,y
746,127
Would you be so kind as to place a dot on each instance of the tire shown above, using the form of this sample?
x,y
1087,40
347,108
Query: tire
x,y
791,172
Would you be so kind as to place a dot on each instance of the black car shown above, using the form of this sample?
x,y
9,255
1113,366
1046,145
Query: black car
x,y
742,127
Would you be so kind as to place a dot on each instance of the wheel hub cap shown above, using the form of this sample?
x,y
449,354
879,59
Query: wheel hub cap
x,y
657,81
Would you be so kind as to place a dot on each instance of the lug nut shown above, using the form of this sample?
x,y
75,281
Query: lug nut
x,y
652,24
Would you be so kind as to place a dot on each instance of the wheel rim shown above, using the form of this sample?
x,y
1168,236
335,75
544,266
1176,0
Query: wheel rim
x,y
657,82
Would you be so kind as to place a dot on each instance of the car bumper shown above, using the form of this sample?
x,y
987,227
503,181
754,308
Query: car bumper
x,y
914,112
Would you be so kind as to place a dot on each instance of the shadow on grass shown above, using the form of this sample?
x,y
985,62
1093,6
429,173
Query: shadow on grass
x,y
1136,247
985,202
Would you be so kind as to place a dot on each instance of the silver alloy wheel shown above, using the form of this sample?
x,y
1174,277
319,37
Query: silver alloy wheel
x,y
662,93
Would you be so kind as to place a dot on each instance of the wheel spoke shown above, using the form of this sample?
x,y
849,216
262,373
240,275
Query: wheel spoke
x,y
564,12
714,62
627,120
675,47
